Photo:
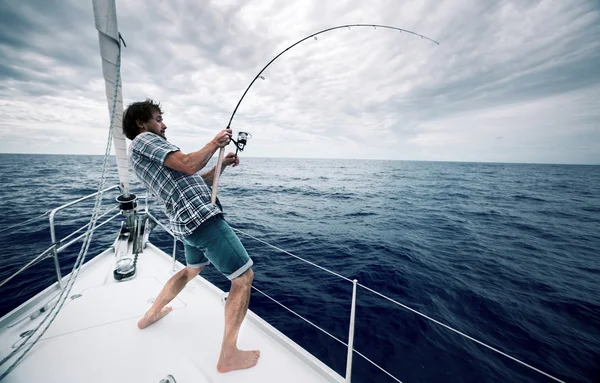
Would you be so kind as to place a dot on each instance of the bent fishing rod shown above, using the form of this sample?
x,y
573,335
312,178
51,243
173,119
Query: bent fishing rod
x,y
243,136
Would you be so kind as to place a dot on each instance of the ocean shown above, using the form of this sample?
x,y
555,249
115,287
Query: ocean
x,y
506,253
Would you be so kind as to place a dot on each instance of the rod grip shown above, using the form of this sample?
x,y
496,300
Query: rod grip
x,y
215,182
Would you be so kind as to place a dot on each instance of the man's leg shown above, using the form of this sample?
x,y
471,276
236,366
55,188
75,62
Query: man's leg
x,y
173,287
231,357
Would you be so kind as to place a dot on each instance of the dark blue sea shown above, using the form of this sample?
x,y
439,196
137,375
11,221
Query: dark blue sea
x,y
507,253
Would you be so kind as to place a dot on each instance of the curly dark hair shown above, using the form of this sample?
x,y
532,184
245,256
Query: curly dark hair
x,y
142,111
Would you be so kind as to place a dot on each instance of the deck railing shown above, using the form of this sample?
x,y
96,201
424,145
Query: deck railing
x,y
58,246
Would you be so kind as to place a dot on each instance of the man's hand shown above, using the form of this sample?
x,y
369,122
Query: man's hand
x,y
222,138
231,159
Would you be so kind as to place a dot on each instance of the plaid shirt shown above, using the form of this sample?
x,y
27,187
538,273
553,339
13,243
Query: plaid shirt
x,y
186,198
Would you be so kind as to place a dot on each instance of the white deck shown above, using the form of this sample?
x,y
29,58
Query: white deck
x,y
95,337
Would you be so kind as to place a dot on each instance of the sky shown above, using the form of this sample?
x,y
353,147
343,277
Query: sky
x,y
510,81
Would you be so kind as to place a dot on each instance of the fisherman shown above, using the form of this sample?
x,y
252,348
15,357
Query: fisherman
x,y
173,177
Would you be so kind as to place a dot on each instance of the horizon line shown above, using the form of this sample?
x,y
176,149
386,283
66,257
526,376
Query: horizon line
x,y
342,158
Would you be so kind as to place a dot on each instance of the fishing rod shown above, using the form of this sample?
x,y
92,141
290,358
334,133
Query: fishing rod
x,y
259,75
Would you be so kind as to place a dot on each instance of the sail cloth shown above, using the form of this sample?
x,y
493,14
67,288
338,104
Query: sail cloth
x,y
105,14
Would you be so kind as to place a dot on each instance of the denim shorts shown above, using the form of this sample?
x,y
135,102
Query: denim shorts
x,y
215,242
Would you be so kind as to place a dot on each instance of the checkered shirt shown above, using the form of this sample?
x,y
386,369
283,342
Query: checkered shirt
x,y
186,198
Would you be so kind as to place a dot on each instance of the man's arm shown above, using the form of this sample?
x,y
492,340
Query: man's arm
x,y
194,162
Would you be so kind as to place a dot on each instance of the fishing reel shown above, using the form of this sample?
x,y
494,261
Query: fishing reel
x,y
241,142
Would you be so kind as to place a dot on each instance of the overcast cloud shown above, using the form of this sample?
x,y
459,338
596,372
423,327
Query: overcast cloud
x,y
511,81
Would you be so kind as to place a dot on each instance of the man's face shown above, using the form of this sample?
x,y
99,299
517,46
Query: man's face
x,y
156,125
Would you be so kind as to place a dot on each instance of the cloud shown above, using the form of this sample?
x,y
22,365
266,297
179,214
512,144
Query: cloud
x,y
530,131
510,81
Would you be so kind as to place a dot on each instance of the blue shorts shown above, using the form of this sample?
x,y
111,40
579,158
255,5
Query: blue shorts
x,y
215,242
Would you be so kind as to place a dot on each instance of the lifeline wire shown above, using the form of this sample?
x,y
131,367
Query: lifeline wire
x,y
407,308
295,256
25,222
326,333
460,333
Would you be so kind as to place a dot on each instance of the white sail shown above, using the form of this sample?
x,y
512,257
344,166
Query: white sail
x,y
105,14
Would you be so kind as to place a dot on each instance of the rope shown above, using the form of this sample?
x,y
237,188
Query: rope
x,y
84,248
24,222
397,303
295,256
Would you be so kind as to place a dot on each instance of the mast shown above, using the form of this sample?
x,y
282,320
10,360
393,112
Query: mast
x,y
105,15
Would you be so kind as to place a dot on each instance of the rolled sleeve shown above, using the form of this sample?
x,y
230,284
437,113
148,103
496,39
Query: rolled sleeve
x,y
153,147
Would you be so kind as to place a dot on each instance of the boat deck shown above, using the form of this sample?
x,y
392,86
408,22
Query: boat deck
x,y
95,337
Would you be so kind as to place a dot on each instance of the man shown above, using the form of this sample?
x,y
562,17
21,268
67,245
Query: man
x,y
173,177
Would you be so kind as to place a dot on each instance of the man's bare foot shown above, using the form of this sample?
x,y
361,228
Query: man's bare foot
x,y
147,320
237,360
